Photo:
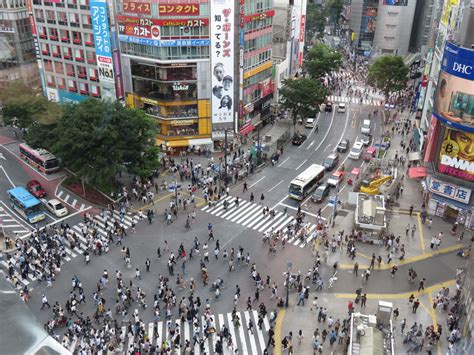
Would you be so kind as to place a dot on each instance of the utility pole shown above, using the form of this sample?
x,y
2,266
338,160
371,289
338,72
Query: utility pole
x,y
258,144
225,157
334,210
289,264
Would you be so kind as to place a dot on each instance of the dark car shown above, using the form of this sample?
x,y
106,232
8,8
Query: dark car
x,y
328,107
320,194
298,139
35,188
343,146
331,161
366,139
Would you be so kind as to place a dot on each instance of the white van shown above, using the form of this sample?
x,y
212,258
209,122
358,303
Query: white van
x,y
365,127
309,123
341,108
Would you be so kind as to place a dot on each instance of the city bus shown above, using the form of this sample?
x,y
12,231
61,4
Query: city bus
x,y
26,204
306,182
41,159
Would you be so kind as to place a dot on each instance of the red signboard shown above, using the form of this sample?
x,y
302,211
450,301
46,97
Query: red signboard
x,y
178,10
302,28
129,20
136,7
260,16
266,87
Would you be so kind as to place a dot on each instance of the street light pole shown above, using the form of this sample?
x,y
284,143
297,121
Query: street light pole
x,y
334,213
288,269
225,157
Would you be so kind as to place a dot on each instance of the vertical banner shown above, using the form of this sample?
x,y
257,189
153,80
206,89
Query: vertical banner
x,y
103,48
222,60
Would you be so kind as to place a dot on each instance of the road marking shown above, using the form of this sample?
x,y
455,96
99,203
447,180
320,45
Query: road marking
x,y
306,212
299,166
343,132
315,125
279,203
434,317
310,144
328,146
66,198
420,232
2,156
278,325
8,177
283,162
74,202
275,186
256,182
327,132
60,194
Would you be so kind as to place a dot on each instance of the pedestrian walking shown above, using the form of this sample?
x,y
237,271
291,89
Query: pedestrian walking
x,y
262,198
147,264
411,210
356,269
413,230
44,301
245,186
407,229
422,284
416,304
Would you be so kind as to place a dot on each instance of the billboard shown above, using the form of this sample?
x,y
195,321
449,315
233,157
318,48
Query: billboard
x,y
456,154
137,7
222,60
369,18
454,98
178,9
448,6
103,47
166,42
395,2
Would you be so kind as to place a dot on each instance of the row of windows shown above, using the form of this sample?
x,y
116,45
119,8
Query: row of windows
x,y
70,19
257,60
65,36
258,24
71,70
73,86
259,42
165,53
71,4
177,31
76,54
154,12
12,4
258,6
254,79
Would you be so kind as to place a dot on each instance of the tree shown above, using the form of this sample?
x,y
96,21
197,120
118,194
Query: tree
x,y
95,139
315,20
322,60
334,8
388,74
302,96
22,107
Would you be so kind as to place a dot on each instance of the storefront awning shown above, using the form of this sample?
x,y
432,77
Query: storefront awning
x,y
413,156
451,203
200,141
159,141
247,129
178,143
417,172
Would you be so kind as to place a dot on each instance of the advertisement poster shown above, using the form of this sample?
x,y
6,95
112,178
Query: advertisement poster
x,y
456,155
454,99
103,47
178,10
137,7
369,19
222,60
395,2
448,6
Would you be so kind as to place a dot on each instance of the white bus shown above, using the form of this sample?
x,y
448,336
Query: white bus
x,y
306,182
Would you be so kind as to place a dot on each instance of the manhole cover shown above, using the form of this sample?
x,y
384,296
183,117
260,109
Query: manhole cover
x,y
342,213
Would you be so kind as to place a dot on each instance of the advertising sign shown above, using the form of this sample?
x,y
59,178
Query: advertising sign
x,y
454,99
178,9
395,2
147,22
451,191
137,7
456,154
260,16
448,6
165,43
266,87
5,29
103,47
222,60
369,19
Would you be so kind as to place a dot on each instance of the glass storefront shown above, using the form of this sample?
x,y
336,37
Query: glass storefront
x,y
183,128
162,72
165,91
171,111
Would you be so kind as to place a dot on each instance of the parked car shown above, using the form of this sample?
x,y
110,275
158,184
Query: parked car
x,y
336,178
299,139
356,150
343,146
341,108
35,188
320,194
366,139
310,122
57,208
331,161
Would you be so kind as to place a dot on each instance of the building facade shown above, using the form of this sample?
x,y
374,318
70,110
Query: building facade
x,y
17,51
76,49
381,27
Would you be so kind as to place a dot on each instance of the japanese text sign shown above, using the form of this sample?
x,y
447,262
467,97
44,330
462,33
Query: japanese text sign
x,y
135,7
100,27
451,191
178,10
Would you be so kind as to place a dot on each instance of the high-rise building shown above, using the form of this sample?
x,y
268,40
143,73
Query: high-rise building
x,y
17,51
288,39
381,27
425,13
76,51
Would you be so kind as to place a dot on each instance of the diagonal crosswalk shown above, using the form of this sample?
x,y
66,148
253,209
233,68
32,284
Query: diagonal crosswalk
x,y
243,341
250,215
354,100
102,225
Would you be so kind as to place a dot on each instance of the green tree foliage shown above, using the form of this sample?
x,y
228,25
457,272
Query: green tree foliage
x,y
95,139
22,107
322,59
315,20
302,96
334,8
388,74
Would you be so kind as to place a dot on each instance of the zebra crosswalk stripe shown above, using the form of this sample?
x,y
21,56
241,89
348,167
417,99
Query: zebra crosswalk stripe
x,y
253,345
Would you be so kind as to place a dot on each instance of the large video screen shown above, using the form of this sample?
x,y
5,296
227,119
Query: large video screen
x,y
456,154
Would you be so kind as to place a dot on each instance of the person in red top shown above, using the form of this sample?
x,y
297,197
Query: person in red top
x,y
350,307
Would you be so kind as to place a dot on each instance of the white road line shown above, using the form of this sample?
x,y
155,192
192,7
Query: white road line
x,y
299,166
8,177
310,144
242,337
60,193
240,212
259,331
253,345
150,332
242,205
277,228
74,202
283,199
277,184
315,124
256,182
231,328
66,198
272,221
283,162
306,212
329,129
83,206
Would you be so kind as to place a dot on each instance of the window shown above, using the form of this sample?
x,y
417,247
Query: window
x,y
81,72
72,86
166,53
66,53
70,70
58,67
83,88
90,57
61,83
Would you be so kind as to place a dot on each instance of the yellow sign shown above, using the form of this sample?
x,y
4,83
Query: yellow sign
x,y
449,4
258,70
182,122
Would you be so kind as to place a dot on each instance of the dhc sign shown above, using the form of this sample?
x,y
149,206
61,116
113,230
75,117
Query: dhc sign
x,y
462,68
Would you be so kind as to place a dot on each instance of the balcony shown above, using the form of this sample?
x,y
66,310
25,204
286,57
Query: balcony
x,y
42,36
62,22
67,56
91,61
87,25
72,89
57,55
84,92
53,38
71,74
95,94
39,19
89,44
51,85
84,7
93,78
65,39
82,75
76,41
79,59
61,86
72,6
45,52
74,24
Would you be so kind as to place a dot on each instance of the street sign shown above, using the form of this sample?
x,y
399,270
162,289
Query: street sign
x,y
171,187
